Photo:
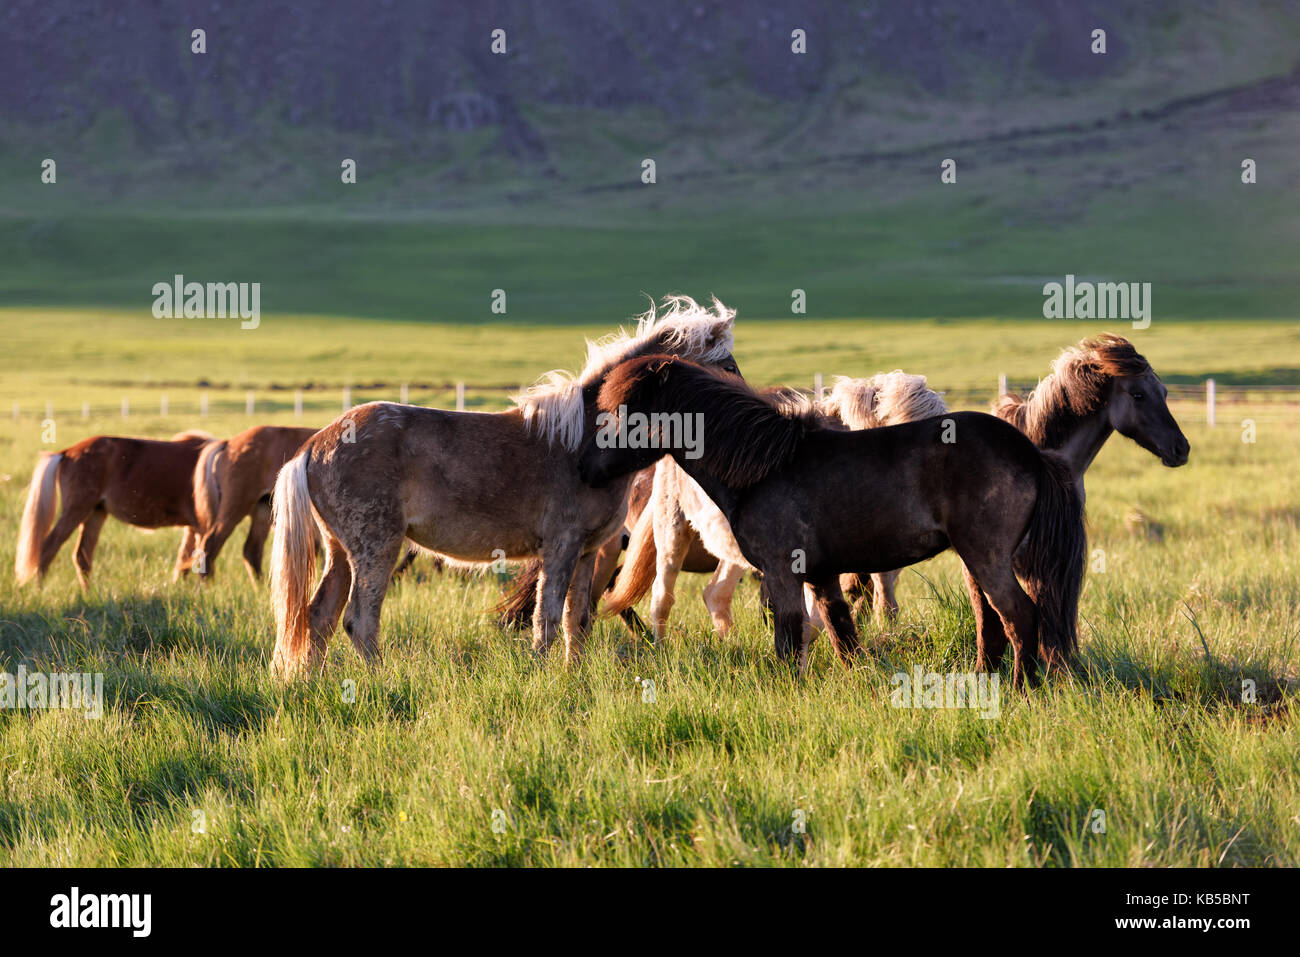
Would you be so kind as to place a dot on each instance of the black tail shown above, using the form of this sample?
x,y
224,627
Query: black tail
x,y
1050,561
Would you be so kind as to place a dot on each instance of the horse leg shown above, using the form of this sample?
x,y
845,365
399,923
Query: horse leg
x,y
185,553
372,569
834,612
672,542
1018,615
412,552
990,636
255,543
884,604
74,514
86,541
328,600
786,594
854,588
718,593
559,557
605,563
577,608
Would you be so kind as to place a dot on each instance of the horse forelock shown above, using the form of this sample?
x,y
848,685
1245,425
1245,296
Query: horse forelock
x,y
554,406
1076,387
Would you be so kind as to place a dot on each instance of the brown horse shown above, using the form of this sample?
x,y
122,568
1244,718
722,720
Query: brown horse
x,y
475,487
788,488
681,513
1099,387
233,479
143,482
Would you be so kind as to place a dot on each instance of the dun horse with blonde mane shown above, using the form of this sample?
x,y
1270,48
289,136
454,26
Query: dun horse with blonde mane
x,y
475,487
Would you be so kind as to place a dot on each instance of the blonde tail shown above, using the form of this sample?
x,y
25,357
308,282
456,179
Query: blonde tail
x,y
207,489
38,516
638,572
293,566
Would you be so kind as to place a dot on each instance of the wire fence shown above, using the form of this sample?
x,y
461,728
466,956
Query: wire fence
x,y
188,404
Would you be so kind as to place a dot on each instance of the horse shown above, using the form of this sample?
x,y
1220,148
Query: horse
x,y
681,513
1097,388
787,484
143,482
233,479
471,486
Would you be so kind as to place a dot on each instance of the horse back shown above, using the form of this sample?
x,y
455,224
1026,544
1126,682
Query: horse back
x,y
145,482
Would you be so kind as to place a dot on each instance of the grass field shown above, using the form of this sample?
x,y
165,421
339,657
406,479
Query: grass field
x,y
462,720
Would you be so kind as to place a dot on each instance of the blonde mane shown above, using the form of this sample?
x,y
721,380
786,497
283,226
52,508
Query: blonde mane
x,y
889,398
1076,387
553,407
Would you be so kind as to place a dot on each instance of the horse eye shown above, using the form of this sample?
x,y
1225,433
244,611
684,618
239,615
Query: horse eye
x,y
1138,396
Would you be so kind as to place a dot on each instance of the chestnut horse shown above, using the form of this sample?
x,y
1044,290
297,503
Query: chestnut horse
x,y
473,486
233,479
807,503
143,482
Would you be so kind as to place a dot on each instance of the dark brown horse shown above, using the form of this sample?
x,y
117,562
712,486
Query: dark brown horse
x,y
1095,389
787,486
233,479
143,482
475,487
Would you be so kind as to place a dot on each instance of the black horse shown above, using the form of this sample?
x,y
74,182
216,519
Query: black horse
x,y
806,503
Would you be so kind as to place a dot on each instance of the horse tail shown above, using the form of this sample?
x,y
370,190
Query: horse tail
x,y
207,489
638,571
38,516
515,611
1051,559
293,565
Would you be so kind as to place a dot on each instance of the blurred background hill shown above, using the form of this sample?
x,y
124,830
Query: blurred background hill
x,y
775,171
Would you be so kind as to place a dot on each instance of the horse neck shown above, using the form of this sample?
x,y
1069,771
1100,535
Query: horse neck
x,y
1082,441
722,496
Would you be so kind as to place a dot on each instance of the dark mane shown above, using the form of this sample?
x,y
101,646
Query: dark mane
x,y
745,436
1075,388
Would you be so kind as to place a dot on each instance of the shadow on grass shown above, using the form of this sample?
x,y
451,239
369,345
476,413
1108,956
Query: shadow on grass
x,y
132,628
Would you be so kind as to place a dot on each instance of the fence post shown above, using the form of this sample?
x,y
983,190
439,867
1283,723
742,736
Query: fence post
x,y
1002,384
49,409
248,402
297,403
347,397
460,397
126,407
203,404
162,405
818,391
1209,402
85,410
406,394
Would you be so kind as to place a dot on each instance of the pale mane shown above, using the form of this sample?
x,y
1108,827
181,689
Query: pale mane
x,y
889,398
553,407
